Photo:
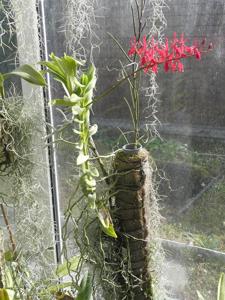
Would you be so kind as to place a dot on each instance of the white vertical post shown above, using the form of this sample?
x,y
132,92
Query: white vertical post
x,y
28,44
56,208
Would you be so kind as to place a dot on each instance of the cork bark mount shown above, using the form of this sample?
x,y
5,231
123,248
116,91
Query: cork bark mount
x,y
133,177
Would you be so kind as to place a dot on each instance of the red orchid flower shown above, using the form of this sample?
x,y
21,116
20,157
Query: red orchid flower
x,y
152,53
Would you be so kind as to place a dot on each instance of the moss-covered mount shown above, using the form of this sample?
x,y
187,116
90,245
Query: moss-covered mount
x,y
133,177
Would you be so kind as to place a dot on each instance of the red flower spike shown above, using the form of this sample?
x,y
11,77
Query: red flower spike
x,y
180,66
152,53
133,43
155,68
197,54
166,66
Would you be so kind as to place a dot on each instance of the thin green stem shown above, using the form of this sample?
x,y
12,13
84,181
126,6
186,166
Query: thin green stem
x,y
137,108
131,112
132,89
133,19
120,46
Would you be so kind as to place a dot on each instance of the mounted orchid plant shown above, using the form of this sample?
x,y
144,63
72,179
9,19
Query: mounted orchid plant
x,y
145,54
79,89
148,55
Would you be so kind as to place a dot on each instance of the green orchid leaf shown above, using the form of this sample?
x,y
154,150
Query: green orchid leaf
x,y
64,70
68,68
90,182
85,290
61,102
53,69
77,110
93,129
88,96
78,146
221,288
84,79
91,79
110,231
30,74
62,66
77,132
4,294
79,121
92,199
70,265
82,158
74,98
72,60
68,64
77,82
91,72
11,294
67,101
94,172
106,222
8,276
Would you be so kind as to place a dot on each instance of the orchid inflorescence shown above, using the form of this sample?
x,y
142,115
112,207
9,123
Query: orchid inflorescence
x,y
152,53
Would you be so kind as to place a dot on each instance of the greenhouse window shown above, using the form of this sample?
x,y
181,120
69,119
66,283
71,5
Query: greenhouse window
x,y
112,131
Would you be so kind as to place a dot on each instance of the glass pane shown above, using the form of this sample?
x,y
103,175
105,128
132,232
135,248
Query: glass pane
x,y
190,151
